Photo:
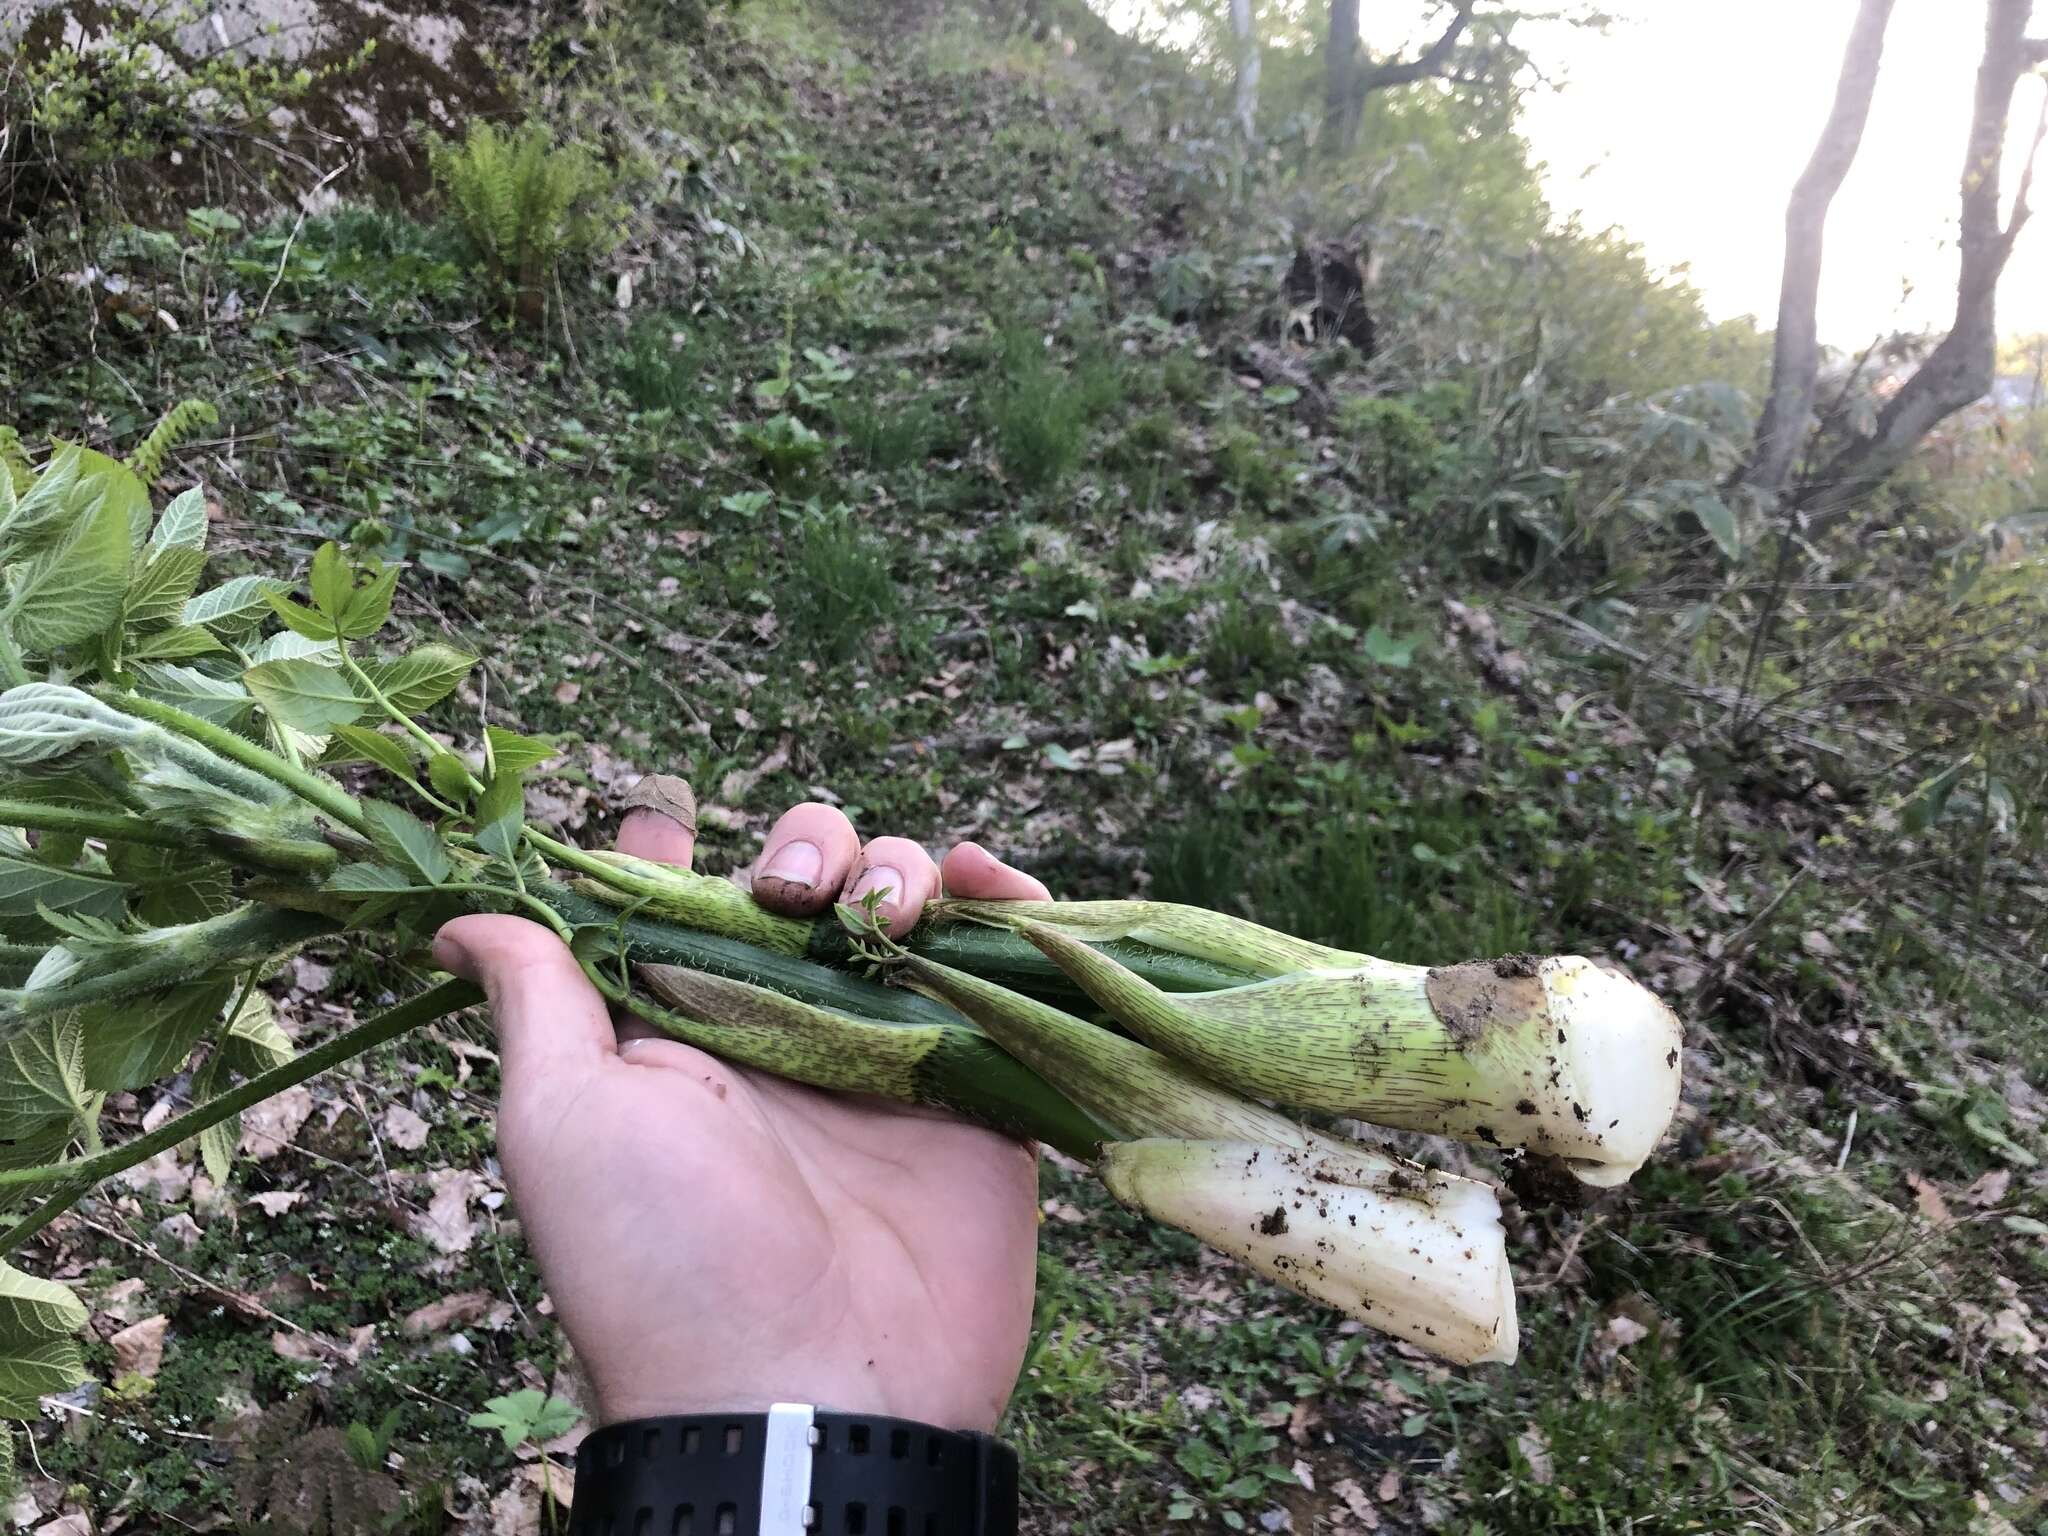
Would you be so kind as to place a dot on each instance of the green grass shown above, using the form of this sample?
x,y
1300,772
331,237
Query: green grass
x,y
1041,412
839,593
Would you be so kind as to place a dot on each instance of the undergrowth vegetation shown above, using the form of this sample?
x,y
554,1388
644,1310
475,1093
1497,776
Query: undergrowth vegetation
x,y
930,427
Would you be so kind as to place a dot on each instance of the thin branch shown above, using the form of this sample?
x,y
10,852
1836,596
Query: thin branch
x,y
2021,210
1433,60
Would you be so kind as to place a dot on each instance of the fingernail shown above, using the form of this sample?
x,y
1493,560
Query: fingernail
x,y
882,877
452,957
796,863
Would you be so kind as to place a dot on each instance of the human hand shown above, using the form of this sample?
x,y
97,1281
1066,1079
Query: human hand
x,y
718,1239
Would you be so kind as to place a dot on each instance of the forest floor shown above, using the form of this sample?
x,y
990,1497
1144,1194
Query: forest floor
x,y
904,481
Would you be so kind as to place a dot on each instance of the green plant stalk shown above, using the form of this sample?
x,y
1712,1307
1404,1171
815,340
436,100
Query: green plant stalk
x,y
232,941
286,856
321,793
718,906
948,1066
1551,1054
437,1002
1131,1088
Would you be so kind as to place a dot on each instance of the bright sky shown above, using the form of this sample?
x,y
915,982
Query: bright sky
x,y
1687,124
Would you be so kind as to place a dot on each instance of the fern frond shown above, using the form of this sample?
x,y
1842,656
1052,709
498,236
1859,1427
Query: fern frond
x,y
185,418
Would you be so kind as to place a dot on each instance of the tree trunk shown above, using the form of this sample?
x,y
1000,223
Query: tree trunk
x,y
1795,359
1247,66
1340,77
1960,370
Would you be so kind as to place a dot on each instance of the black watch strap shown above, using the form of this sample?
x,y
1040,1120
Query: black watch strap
x,y
793,1471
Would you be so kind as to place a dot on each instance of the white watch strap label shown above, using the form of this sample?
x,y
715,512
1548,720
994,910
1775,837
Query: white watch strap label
x,y
786,1470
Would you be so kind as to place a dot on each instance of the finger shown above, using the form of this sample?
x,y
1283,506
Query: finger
x,y
660,821
551,1021
805,860
970,870
902,869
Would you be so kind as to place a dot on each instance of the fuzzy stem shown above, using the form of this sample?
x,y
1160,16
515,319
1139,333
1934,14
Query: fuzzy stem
x,y
322,793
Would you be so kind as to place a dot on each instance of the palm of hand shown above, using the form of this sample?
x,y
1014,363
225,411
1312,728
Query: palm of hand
x,y
774,1243
720,1239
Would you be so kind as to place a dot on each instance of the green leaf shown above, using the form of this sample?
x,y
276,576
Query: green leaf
x,y
450,777
421,678
42,1075
31,1371
373,880
254,1043
158,592
330,581
181,642
304,695
357,744
73,589
287,645
29,887
1383,649
500,814
301,619
514,753
219,700
138,1040
217,1145
1924,806
34,1308
370,604
45,504
182,524
234,607
407,841
1718,520
526,1415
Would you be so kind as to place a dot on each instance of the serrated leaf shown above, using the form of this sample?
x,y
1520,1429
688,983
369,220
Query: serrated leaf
x,y
235,606
220,700
181,642
158,591
500,814
421,678
450,777
286,645
254,1043
217,1147
182,524
329,582
30,1371
358,744
42,1075
370,604
28,886
300,619
35,1308
514,753
303,695
46,502
407,841
373,880
138,1040
73,589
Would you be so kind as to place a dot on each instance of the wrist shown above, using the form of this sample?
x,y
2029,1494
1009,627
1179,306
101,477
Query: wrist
x,y
790,1470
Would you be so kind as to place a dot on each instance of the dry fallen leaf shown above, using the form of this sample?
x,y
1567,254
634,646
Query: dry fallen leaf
x,y
319,1349
404,1129
447,1223
268,1127
1356,1504
454,1311
568,693
1535,1449
163,1178
1990,1189
139,1348
74,1524
1929,1199
276,1202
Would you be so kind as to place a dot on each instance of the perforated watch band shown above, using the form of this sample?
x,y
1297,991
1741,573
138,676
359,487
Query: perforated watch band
x,y
793,1471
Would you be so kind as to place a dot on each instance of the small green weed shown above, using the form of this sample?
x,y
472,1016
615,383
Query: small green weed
x,y
1040,414
655,367
840,586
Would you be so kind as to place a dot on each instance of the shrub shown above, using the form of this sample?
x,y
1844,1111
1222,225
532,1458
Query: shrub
x,y
526,204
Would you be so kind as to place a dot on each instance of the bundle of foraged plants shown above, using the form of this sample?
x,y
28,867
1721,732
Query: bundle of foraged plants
x,y
198,780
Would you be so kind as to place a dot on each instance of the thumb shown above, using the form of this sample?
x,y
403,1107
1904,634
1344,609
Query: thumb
x,y
550,1020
